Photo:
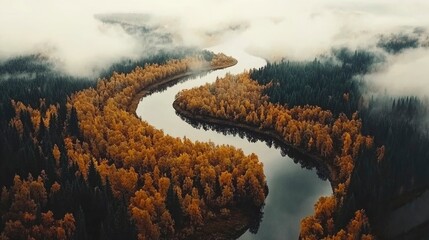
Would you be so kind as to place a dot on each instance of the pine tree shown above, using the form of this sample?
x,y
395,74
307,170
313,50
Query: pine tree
x,y
73,123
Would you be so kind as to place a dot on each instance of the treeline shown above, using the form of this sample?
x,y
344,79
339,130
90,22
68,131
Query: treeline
x,y
127,65
47,193
31,83
33,77
328,83
398,42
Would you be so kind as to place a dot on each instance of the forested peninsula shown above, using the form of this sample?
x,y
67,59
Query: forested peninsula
x,y
324,110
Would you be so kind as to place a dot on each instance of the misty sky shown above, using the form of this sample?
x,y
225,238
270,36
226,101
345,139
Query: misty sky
x,y
68,32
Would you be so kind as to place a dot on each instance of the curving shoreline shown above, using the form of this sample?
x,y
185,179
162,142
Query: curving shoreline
x,y
169,80
270,134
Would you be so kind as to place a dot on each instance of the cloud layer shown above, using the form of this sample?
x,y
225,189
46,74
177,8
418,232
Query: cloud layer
x,y
81,44
405,75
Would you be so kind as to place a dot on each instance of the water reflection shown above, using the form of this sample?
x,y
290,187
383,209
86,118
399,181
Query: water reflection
x,y
291,198
253,137
293,190
163,87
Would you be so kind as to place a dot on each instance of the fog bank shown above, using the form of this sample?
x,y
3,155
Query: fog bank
x,y
81,44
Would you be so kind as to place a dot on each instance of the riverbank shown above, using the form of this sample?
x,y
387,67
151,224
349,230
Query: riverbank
x,y
220,228
171,80
270,134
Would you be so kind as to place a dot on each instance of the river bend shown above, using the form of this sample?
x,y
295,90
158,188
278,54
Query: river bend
x,y
293,190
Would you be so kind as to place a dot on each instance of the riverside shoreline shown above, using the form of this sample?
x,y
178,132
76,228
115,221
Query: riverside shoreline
x,y
171,80
269,134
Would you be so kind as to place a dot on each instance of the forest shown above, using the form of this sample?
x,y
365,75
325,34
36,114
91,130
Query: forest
x,y
77,165
325,108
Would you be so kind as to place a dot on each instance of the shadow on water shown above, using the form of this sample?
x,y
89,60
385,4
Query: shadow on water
x,y
285,150
295,181
164,87
285,207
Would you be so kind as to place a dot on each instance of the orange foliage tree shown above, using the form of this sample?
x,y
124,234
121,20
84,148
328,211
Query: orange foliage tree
x,y
19,208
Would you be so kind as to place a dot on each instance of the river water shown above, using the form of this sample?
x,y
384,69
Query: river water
x,y
293,190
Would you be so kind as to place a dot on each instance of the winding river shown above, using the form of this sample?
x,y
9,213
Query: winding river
x,y
293,190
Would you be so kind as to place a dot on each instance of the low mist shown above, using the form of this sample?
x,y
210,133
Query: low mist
x,y
406,74
84,37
